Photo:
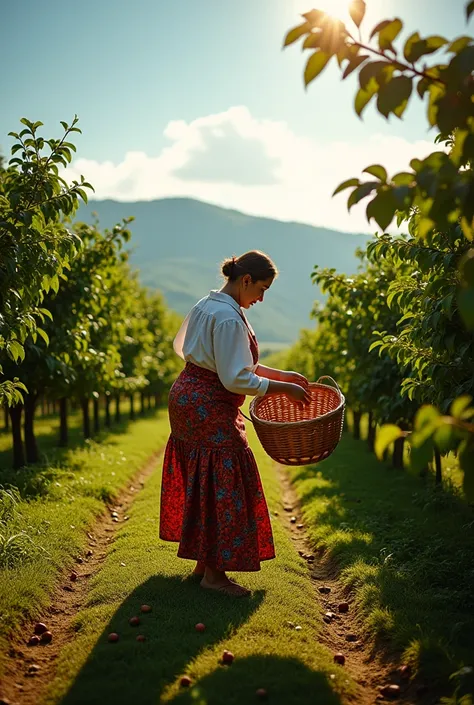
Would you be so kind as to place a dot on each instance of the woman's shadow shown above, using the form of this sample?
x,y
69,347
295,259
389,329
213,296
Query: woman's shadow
x,y
141,672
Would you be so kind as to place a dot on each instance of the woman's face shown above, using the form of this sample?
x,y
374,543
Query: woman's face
x,y
251,291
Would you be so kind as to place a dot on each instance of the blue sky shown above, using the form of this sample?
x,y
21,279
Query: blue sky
x,y
130,68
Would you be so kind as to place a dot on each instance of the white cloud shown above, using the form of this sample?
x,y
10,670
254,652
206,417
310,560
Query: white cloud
x,y
260,167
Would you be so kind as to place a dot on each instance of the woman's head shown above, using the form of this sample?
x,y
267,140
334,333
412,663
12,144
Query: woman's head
x,y
249,276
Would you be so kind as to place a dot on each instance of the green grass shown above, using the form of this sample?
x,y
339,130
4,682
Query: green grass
x,y
406,550
290,664
55,506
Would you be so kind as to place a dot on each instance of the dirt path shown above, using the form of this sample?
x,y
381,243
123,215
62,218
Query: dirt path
x,y
342,631
30,669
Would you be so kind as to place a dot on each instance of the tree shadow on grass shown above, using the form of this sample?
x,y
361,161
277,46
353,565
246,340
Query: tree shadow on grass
x,y
406,547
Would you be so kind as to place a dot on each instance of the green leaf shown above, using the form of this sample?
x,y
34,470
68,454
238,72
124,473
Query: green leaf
x,y
466,268
371,70
422,454
426,416
15,351
294,34
378,171
43,335
357,11
393,96
361,192
416,47
379,27
459,44
354,64
425,226
410,42
364,96
469,9
346,184
389,33
459,406
382,208
466,307
388,434
315,65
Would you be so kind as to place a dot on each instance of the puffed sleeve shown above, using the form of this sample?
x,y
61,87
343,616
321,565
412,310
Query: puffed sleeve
x,y
233,359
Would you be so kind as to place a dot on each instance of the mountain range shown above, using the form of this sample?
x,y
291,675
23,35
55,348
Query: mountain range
x,y
178,243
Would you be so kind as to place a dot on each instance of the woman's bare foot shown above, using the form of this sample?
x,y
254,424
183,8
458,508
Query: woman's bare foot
x,y
218,580
199,568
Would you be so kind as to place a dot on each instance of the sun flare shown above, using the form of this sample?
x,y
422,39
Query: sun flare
x,y
336,8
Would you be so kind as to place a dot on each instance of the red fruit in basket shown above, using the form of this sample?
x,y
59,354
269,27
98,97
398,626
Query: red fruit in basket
x,y
227,656
40,627
185,682
200,627
134,621
113,637
33,640
145,608
141,637
339,658
46,637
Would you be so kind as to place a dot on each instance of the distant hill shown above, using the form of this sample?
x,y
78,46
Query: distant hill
x,y
178,243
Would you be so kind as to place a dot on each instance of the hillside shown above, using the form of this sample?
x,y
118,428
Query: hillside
x,y
178,244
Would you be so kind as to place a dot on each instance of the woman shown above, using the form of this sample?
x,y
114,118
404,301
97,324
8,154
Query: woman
x,y
212,500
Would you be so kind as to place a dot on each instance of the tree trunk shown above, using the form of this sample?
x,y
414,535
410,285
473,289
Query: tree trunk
x,y
95,406
31,447
356,422
142,403
107,411
397,459
157,400
43,406
117,408
148,402
132,408
438,475
18,452
63,429
86,425
6,418
371,432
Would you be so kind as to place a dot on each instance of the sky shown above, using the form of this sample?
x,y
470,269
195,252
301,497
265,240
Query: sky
x,y
187,98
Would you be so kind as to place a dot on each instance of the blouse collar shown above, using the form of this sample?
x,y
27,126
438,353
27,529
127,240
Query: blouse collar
x,y
225,298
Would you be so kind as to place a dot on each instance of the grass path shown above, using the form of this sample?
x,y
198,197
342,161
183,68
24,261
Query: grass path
x,y
269,653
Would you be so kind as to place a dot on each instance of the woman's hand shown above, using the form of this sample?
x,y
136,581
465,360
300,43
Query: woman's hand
x,y
296,378
298,393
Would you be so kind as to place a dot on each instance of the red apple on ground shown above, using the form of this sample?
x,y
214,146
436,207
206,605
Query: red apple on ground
x,y
113,637
73,576
134,621
141,637
227,656
343,607
185,682
40,627
46,637
200,627
405,671
261,693
145,608
339,658
390,691
33,640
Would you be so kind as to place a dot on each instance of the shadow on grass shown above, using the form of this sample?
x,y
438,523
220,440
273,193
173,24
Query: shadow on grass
x,y
407,550
33,480
141,673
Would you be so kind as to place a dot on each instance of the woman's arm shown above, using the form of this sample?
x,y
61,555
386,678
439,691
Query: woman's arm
x,y
281,375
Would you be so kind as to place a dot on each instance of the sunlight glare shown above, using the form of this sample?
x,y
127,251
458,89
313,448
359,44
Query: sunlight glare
x,y
336,8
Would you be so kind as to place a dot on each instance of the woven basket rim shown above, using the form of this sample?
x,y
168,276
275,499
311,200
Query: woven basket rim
x,y
305,422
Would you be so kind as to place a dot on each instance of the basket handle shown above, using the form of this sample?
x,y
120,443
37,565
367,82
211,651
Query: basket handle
x,y
332,380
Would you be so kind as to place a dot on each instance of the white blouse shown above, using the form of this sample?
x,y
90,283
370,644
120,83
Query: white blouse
x,y
214,336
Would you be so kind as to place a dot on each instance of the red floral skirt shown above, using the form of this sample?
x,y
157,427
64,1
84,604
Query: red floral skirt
x,y
212,500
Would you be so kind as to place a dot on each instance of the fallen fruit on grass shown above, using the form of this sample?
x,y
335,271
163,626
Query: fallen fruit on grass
x,y
200,627
40,627
46,637
300,526
134,621
73,576
293,520
141,637
33,640
89,553
227,656
145,608
261,693
298,628
339,658
113,637
185,682
324,590
343,607
351,637
390,691
405,671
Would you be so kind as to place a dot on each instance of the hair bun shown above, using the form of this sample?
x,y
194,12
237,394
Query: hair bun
x,y
228,267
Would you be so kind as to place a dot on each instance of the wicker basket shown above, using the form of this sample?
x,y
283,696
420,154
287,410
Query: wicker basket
x,y
293,434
